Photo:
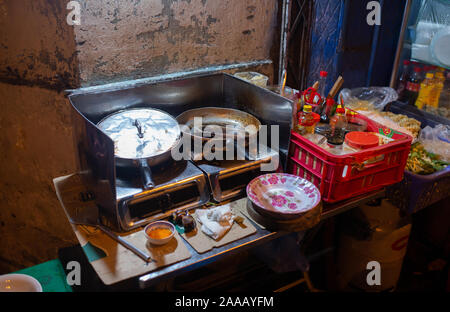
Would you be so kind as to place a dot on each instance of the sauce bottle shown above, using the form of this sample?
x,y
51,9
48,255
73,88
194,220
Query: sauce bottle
x,y
306,120
338,124
426,88
402,80
325,116
436,89
413,86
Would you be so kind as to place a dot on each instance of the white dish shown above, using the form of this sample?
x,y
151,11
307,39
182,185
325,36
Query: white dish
x,y
19,283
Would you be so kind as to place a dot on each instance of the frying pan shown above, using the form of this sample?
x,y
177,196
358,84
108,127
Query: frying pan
x,y
227,118
143,138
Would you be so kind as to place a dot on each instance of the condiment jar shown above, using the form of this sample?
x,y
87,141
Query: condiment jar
x,y
361,140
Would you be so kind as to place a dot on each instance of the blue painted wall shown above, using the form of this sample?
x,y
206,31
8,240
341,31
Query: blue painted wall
x,y
325,40
342,42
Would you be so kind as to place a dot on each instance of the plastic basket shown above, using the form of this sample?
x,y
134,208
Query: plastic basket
x,y
416,191
339,177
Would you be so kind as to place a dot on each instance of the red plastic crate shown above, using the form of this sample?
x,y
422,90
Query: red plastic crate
x,y
339,177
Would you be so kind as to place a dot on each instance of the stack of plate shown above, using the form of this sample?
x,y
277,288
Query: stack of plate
x,y
282,201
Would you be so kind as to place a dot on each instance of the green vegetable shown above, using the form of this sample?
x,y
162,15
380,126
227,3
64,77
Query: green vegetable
x,y
421,161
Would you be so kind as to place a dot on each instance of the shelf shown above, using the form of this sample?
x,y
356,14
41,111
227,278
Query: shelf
x,y
430,63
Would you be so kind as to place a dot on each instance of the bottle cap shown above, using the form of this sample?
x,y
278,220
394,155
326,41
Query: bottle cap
x,y
358,139
406,62
330,102
417,69
429,75
323,73
307,108
340,109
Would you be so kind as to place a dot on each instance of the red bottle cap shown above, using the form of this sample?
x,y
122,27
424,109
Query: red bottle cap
x,y
406,62
330,102
323,73
361,140
340,110
417,69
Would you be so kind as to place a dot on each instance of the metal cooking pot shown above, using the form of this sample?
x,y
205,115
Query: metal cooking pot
x,y
236,121
143,138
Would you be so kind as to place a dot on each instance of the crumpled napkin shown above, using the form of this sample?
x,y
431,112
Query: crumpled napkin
x,y
217,221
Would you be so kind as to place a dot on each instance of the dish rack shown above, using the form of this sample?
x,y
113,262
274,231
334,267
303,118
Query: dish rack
x,y
339,177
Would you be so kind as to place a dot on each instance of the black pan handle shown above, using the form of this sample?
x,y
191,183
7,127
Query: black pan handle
x,y
137,124
146,175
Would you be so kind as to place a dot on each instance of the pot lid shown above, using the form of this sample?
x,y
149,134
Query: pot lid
x,y
141,132
361,140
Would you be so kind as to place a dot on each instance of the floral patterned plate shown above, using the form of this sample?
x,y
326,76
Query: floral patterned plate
x,y
282,196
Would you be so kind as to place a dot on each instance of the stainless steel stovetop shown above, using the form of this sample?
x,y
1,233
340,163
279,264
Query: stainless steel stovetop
x,y
122,202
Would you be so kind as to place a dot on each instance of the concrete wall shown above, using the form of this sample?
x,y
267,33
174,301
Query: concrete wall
x,y
40,56
132,39
37,61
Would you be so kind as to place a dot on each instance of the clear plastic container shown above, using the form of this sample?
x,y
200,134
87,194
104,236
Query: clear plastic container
x,y
253,77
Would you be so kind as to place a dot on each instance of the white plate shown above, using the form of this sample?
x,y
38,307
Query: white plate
x,y
19,283
283,195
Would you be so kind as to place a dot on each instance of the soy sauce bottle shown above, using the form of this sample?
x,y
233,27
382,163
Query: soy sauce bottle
x,y
413,86
326,112
402,80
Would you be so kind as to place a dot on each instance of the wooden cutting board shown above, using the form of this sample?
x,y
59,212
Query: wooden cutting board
x,y
119,263
203,243
113,262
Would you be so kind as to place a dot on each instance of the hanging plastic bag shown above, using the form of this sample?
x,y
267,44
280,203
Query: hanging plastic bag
x,y
371,98
432,33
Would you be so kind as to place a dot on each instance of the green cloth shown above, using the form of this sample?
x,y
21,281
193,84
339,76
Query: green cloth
x,y
50,274
92,252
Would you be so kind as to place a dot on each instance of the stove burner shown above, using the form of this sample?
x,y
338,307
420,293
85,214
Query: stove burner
x,y
164,171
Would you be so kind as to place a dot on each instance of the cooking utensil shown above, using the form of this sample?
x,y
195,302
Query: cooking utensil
x,y
311,96
233,120
82,210
143,255
284,82
282,196
316,85
336,87
143,138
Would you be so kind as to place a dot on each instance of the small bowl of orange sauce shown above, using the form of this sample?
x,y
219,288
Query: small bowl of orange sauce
x,y
159,232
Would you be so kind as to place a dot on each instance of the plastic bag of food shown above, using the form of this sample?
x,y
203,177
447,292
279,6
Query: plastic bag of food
x,y
437,141
371,98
